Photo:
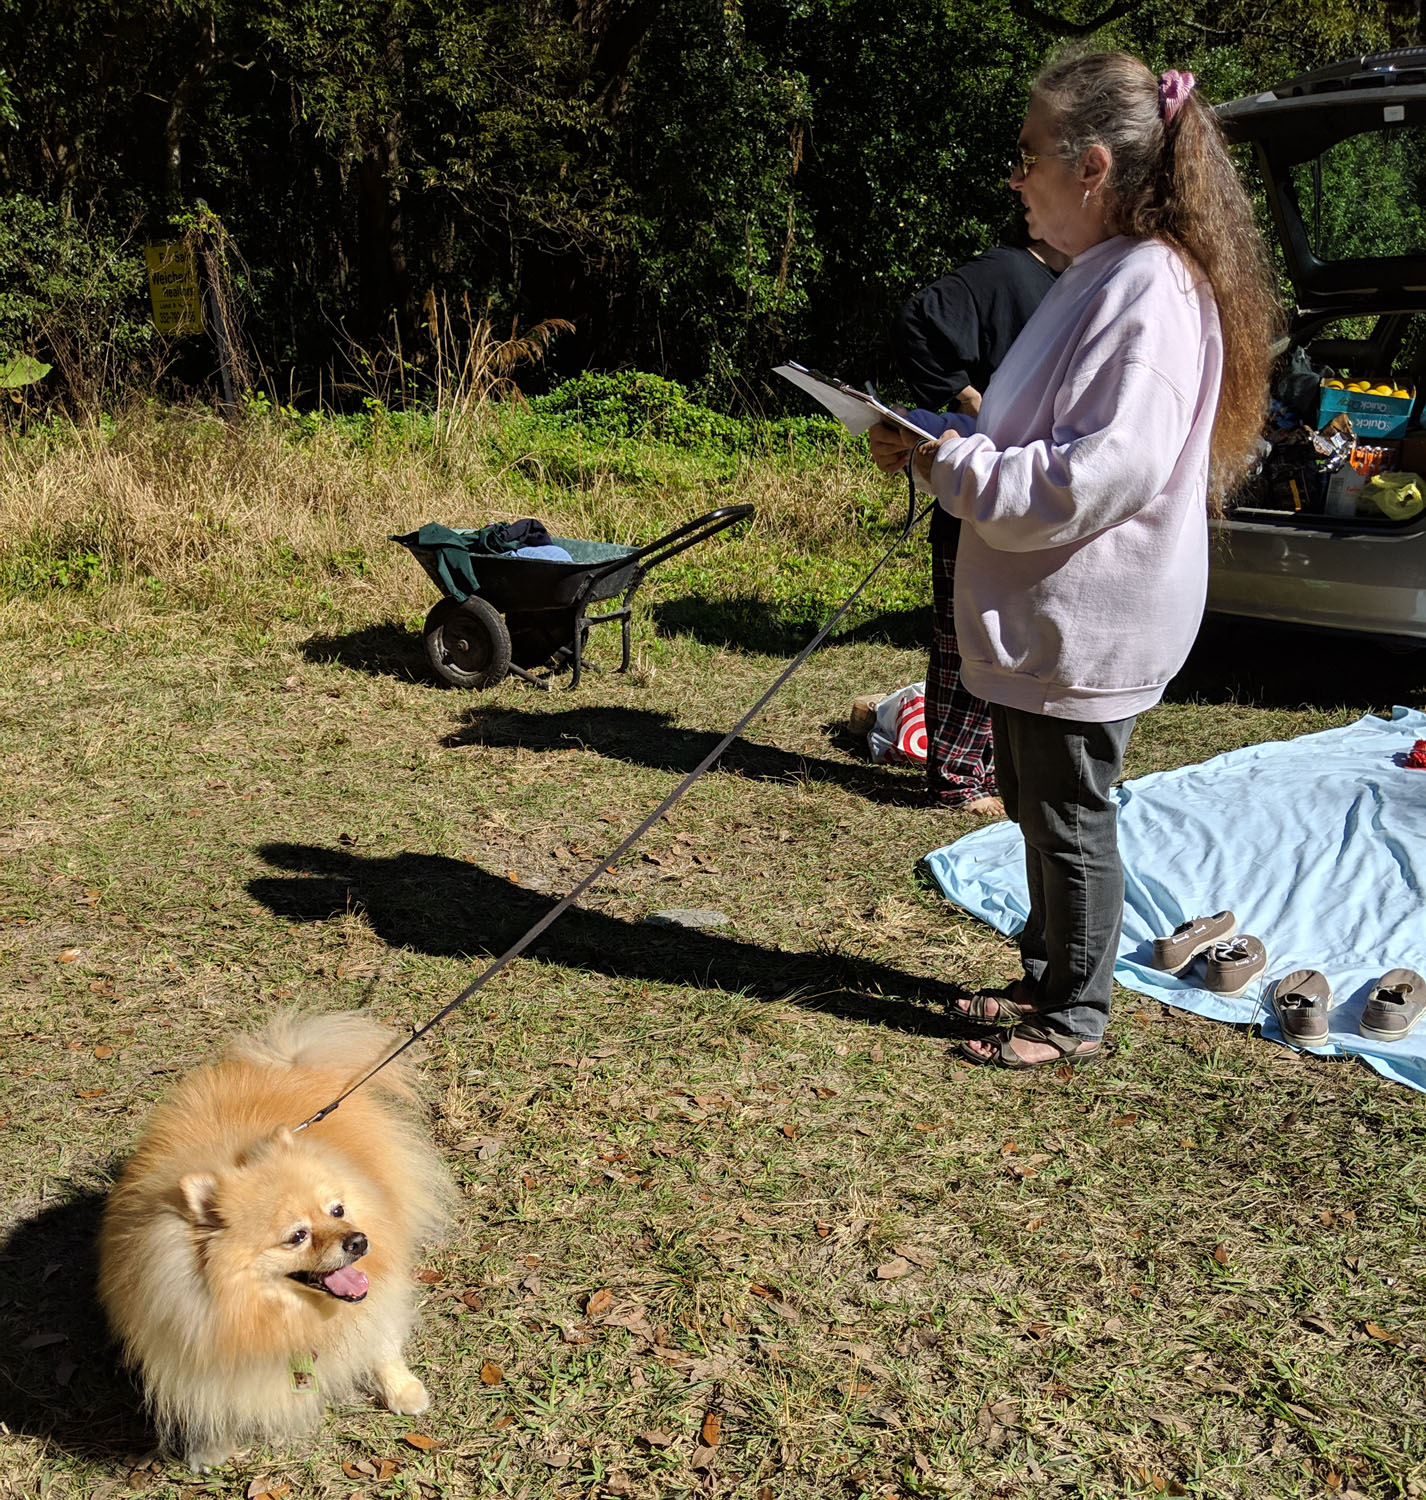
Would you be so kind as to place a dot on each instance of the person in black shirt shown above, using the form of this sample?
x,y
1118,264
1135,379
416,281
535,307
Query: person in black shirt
x,y
948,340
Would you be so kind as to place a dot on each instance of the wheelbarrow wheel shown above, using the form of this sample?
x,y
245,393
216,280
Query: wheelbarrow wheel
x,y
467,642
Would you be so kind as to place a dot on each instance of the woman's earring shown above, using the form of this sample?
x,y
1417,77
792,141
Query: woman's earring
x,y
1084,202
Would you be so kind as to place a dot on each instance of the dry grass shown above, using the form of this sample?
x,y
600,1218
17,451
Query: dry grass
x,y
1197,1270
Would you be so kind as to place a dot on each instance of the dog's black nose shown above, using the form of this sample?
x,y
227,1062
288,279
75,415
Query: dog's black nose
x,y
355,1244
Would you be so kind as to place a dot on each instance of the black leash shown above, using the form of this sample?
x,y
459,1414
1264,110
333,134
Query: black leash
x,y
605,864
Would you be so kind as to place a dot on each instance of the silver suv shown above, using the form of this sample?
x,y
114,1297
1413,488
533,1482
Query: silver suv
x,y
1342,156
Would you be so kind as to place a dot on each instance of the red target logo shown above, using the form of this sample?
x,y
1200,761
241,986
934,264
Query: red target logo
x,y
911,730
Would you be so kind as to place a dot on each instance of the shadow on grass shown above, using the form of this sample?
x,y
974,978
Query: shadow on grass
x,y
386,650
454,909
745,624
60,1377
391,650
648,737
1277,666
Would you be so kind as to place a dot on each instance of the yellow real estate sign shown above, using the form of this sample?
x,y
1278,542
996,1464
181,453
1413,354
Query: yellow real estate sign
x,y
173,288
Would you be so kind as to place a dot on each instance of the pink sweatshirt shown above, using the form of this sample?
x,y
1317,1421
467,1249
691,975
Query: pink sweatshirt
x,y
1083,563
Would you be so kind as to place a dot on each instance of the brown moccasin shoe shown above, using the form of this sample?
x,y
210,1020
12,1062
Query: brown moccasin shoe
x,y
1302,1000
1189,939
1231,966
1396,1004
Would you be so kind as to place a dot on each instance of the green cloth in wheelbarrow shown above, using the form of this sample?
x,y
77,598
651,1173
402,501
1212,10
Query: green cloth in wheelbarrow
x,y
454,552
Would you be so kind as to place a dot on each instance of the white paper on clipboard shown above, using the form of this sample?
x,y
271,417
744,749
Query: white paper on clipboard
x,y
855,410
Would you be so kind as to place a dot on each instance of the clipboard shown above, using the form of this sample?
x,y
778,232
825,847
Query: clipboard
x,y
855,410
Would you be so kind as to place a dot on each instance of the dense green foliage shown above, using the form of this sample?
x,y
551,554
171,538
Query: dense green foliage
x,y
700,187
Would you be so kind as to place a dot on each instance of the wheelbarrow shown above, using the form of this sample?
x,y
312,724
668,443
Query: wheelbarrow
x,y
533,613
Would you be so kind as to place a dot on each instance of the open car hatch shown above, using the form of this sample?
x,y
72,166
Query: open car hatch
x,y
1342,151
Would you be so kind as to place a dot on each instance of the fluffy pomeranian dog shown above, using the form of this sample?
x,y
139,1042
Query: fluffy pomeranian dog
x,y
253,1274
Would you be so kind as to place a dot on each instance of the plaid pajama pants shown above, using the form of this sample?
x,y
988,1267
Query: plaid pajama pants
x,y
960,760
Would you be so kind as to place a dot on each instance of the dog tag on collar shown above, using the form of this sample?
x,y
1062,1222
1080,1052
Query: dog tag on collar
x,y
303,1372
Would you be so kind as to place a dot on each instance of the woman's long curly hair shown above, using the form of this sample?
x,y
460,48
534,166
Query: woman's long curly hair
x,y
1176,183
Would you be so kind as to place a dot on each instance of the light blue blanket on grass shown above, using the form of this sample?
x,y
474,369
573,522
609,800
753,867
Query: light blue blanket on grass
x,y
1317,844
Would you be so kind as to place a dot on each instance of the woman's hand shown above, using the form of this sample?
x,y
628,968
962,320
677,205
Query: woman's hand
x,y
890,446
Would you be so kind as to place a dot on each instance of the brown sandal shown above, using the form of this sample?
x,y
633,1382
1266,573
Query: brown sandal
x,y
1076,1051
1009,1012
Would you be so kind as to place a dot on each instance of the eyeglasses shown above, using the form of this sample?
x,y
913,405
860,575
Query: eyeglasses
x,y
1022,161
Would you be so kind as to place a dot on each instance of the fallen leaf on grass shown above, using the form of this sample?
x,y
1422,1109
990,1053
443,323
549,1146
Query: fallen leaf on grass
x,y
67,955
893,1269
491,1373
87,1093
712,1429
599,1303
822,1228
654,1439
790,1131
1220,1253
922,1258
1126,1119
421,1441
1378,1332
483,1146
430,1276
362,1468
703,1457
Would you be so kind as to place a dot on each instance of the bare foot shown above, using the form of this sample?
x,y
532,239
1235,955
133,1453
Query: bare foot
x,y
984,807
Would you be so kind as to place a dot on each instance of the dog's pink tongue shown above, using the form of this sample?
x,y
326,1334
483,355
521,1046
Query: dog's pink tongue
x,y
346,1282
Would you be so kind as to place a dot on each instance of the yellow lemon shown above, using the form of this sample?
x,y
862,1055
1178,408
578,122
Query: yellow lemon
x,y
1402,393
1359,385
1334,385
1381,390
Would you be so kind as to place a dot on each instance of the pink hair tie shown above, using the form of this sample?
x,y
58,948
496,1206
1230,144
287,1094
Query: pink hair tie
x,y
1174,88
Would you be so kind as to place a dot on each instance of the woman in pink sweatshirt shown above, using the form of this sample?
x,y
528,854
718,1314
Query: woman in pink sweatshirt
x,y
1126,408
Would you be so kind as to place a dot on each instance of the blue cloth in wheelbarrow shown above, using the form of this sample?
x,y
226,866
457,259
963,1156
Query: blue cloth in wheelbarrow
x,y
454,550
1318,845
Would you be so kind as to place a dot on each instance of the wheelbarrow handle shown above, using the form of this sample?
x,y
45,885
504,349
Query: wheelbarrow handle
x,y
679,540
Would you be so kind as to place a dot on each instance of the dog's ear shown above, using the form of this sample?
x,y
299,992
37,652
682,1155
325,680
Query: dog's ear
x,y
200,1199
259,1150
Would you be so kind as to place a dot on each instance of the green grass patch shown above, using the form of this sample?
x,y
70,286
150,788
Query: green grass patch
x,y
732,1173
